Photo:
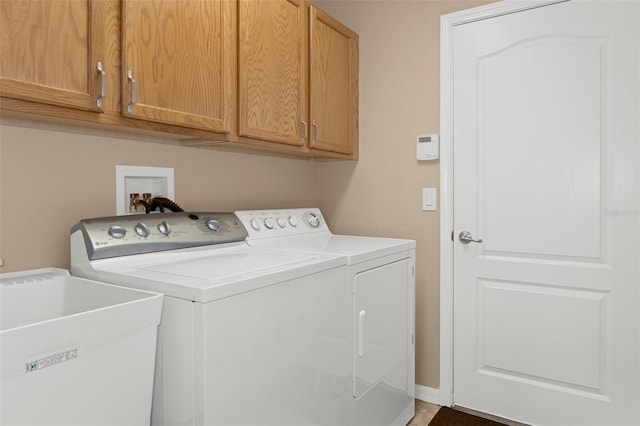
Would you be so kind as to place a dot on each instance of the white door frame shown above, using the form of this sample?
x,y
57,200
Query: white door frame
x,y
447,24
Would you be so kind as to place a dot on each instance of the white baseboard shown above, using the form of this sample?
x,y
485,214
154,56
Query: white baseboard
x,y
427,394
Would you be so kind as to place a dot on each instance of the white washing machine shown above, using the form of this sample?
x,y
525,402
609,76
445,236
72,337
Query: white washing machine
x,y
248,336
381,281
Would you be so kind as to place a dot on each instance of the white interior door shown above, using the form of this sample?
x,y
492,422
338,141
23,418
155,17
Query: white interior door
x,y
546,157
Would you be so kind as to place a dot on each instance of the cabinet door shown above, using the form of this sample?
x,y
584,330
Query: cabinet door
x,y
272,69
178,63
333,85
45,51
382,326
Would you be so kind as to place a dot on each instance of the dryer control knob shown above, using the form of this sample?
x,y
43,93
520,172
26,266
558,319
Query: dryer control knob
x,y
255,224
164,228
269,223
117,231
293,221
313,220
142,229
281,222
213,225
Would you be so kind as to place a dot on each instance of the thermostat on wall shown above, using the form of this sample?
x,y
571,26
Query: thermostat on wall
x,y
428,147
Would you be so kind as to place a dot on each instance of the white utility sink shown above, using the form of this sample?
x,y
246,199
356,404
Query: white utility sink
x,y
75,351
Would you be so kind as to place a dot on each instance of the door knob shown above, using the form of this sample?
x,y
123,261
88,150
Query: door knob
x,y
465,237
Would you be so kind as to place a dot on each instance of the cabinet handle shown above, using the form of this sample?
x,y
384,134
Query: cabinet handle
x,y
133,92
316,132
103,85
306,131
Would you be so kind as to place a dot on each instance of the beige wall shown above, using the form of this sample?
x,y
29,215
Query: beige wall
x,y
49,179
399,99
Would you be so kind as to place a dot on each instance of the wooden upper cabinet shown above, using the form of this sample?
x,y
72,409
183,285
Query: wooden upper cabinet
x,y
333,85
178,62
272,70
46,53
277,75
298,77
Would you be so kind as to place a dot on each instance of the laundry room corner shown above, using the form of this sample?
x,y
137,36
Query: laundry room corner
x,y
381,194
54,174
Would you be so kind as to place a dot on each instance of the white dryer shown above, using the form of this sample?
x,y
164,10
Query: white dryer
x,y
381,281
248,336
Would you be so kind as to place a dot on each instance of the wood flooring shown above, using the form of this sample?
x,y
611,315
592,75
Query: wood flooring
x,y
424,413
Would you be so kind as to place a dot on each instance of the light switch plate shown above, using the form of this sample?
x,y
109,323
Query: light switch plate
x,y
429,199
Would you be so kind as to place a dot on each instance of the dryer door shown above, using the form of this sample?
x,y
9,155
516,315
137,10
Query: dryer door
x,y
381,326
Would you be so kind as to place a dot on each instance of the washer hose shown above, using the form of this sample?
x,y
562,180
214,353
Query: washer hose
x,y
161,203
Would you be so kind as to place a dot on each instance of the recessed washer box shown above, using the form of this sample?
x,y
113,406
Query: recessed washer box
x,y
157,181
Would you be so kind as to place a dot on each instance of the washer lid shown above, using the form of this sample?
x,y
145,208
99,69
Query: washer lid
x,y
205,274
357,249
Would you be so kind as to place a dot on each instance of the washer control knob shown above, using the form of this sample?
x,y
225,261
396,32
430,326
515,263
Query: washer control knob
x,y
255,224
281,222
213,225
293,221
269,223
313,220
164,228
142,229
117,231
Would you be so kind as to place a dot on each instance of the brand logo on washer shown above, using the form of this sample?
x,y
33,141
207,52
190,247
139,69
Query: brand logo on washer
x,y
52,360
